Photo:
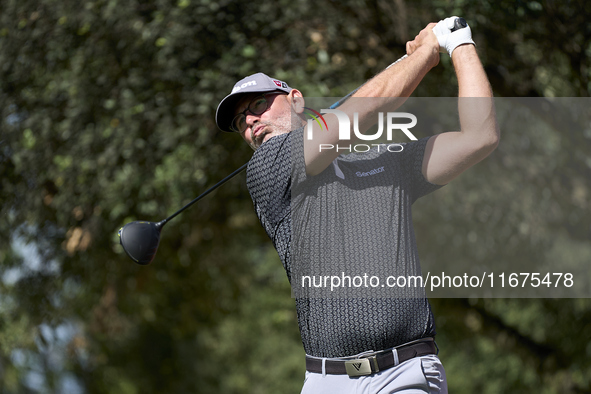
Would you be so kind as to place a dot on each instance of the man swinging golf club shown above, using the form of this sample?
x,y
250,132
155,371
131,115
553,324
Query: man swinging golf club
x,y
303,197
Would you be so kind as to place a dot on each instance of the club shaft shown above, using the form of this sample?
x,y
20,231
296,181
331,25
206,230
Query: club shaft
x,y
205,193
460,23
341,101
239,170
243,167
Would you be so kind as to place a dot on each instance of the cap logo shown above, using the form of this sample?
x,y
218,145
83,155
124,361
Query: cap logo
x,y
244,85
278,83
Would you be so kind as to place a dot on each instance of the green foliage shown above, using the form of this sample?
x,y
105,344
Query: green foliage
x,y
107,116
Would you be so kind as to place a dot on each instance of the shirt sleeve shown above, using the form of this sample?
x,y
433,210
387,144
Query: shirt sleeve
x,y
414,152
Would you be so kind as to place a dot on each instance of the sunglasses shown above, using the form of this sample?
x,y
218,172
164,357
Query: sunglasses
x,y
256,107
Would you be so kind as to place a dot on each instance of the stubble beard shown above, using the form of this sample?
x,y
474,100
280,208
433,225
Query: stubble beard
x,y
280,125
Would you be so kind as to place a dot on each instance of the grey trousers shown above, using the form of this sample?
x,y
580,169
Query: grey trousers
x,y
420,375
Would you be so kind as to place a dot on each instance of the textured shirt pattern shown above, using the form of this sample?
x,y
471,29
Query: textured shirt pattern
x,y
354,217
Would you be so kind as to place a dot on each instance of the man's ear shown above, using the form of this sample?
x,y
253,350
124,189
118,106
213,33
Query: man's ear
x,y
297,101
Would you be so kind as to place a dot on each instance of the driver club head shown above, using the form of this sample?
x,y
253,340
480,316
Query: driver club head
x,y
140,240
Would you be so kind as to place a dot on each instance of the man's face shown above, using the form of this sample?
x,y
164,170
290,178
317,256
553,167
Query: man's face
x,y
276,120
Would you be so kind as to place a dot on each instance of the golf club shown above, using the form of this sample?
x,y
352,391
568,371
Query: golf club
x,y
140,239
459,23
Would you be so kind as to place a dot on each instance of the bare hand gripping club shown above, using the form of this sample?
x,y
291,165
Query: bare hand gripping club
x,y
140,239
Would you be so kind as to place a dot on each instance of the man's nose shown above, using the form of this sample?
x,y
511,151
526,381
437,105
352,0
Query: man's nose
x,y
251,119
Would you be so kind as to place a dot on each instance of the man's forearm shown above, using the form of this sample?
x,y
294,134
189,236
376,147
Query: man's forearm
x,y
475,103
472,80
401,79
395,83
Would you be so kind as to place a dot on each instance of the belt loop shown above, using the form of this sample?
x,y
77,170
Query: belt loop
x,y
323,367
395,354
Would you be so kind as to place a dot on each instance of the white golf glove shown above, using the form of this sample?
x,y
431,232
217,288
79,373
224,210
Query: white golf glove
x,y
448,39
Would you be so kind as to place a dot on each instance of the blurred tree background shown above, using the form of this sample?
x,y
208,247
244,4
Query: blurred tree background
x,y
108,116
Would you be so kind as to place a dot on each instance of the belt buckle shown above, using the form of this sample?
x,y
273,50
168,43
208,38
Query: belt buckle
x,y
361,366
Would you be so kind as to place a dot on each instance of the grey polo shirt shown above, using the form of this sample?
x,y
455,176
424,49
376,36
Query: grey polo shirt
x,y
353,218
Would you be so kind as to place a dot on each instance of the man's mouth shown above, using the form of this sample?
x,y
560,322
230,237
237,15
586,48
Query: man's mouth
x,y
257,130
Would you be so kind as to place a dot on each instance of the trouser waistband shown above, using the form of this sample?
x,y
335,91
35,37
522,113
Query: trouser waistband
x,y
370,364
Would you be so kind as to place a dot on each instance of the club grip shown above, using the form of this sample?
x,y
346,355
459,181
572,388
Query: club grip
x,y
459,23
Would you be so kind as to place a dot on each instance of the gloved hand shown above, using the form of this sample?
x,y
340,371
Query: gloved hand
x,y
449,39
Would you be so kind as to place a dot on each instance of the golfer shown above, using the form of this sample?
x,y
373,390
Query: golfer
x,y
303,195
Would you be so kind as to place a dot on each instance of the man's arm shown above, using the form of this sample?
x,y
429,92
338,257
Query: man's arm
x,y
397,82
449,154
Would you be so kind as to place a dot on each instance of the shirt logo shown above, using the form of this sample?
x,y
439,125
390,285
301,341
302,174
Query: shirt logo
x,y
372,172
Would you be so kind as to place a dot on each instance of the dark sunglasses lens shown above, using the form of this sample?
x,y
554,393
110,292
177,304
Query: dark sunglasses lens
x,y
258,106
239,123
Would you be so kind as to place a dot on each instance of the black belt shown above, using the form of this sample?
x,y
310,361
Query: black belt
x,y
368,365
